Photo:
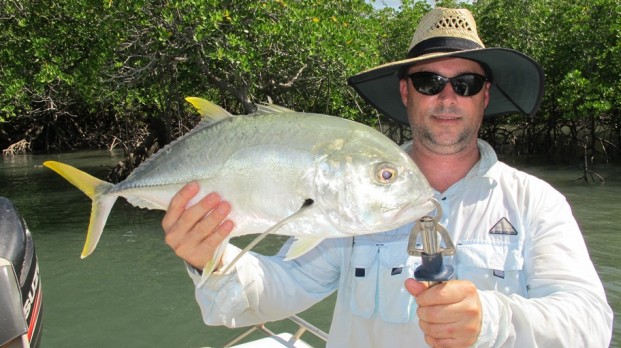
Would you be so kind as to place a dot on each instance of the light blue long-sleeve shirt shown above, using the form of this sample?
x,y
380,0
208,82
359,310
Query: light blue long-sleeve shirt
x,y
516,240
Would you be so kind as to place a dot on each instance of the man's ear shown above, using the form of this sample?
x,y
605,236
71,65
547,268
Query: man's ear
x,y
487,87
403,88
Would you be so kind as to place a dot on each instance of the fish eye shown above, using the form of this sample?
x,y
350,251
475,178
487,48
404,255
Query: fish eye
x,y
386,174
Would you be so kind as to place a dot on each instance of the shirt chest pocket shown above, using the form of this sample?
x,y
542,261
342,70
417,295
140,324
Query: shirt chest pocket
x,y
492,266
377,276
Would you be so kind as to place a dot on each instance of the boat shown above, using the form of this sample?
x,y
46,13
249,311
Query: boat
x,y
21,305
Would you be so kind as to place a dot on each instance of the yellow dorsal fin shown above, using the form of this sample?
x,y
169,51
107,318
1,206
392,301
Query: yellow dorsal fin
x,y
208,110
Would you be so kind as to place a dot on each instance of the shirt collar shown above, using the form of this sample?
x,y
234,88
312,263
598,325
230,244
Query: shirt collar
x,y
482,169
487,161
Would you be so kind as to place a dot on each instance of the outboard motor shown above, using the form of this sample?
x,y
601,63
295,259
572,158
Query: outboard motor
x,y
20,286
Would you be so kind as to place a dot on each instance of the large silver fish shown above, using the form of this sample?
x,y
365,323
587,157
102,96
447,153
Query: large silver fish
x,y
311,176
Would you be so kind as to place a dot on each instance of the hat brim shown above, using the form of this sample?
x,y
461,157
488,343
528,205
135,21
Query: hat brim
x,y
517,82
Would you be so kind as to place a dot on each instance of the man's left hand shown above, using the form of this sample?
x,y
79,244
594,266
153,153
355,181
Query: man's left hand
x,y
450,313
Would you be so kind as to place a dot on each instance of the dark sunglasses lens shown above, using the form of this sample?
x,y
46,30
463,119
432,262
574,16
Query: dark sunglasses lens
x,y
431,84
467,84
428,83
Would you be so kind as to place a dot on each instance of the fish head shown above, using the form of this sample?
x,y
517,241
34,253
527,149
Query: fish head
x,y
370,186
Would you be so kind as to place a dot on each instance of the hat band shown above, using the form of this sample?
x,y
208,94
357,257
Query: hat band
x,y
442,44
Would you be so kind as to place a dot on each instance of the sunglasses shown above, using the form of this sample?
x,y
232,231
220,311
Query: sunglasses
x,y
465,85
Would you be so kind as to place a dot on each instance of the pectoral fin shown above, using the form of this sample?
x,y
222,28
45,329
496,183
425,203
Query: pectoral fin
x,y
306,206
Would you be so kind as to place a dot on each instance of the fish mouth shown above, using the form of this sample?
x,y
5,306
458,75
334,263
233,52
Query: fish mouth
x,y
409,213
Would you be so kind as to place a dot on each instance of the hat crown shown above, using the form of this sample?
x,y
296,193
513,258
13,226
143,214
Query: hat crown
x,y
441,22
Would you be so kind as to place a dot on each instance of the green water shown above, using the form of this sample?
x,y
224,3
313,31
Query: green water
x,y
133,291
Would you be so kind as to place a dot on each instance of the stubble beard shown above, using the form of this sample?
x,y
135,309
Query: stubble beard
x,y
432,142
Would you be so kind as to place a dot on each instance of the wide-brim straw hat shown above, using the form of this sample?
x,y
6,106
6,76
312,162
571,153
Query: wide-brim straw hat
x,y
516,79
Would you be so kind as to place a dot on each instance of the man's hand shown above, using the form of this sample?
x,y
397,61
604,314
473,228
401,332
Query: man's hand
x,y
195,232
450,313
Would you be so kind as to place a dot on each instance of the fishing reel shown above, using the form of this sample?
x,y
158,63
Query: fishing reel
x,y
432,269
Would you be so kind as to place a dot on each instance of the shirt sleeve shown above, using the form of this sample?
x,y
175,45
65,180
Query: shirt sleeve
x,y
565,304
262,288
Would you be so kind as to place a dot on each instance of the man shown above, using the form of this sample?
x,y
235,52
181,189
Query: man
x,y
523,273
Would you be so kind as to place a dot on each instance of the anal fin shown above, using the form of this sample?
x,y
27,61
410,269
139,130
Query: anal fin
x,y
212,264
301,246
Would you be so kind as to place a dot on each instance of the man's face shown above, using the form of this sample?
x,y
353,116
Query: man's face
x,y
445,123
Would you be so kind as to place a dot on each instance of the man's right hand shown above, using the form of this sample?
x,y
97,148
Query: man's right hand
x,y
195,232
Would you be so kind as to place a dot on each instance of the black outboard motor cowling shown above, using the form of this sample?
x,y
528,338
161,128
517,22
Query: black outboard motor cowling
x,y
20,286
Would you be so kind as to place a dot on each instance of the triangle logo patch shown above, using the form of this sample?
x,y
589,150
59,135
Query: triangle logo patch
x,y
503,226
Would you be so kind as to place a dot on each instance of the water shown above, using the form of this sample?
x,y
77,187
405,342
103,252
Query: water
x,y
133,290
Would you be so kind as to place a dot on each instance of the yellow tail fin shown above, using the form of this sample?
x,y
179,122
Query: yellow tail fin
x,y
96,190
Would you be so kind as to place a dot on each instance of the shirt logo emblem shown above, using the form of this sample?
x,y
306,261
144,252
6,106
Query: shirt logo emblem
x,y
503,226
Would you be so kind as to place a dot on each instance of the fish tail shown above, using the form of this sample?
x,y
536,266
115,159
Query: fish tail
x,y
96,190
